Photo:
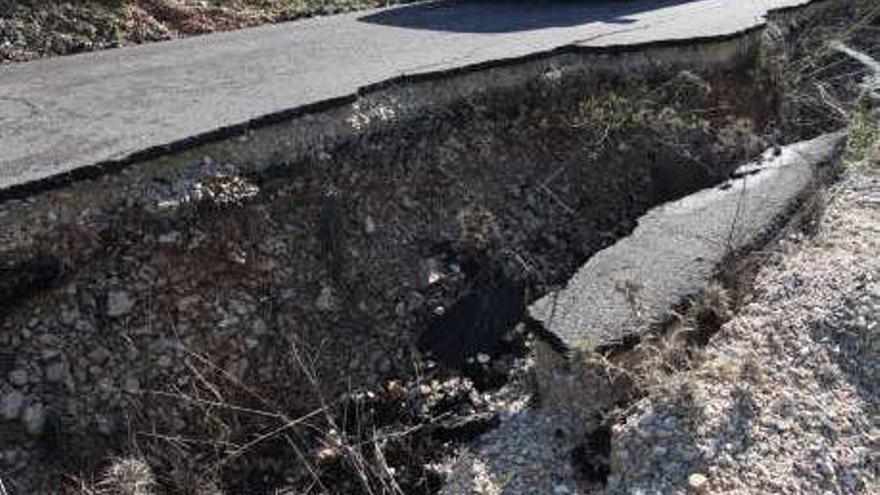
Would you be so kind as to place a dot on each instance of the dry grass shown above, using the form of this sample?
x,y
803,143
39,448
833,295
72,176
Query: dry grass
x,y
127,477
344,446
677,348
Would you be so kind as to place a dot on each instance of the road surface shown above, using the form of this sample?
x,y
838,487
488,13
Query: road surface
x,y
60,114
677,248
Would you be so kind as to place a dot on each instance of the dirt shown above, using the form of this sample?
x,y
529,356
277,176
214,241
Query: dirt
x,y
31,29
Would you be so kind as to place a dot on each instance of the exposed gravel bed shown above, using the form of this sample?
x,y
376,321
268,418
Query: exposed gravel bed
x,y
529,454
787,398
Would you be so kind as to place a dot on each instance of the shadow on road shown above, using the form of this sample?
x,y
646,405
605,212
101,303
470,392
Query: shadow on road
x,y
504,16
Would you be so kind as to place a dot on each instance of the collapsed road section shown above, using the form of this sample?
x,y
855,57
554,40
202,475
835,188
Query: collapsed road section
x,y
640,283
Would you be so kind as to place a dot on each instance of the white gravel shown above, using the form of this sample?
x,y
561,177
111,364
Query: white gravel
x,y
529,453
787,398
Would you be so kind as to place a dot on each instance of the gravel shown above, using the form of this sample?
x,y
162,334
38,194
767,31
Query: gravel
x,y
18,378
56,372
34,418
787,398
528,454
11,405
119,303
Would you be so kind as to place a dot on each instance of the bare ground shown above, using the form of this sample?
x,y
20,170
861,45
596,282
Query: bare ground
x,y
31,29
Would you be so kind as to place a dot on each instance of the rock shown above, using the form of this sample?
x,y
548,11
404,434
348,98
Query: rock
x,y
826,467
259,327
34,418
119,303
326,300
69,316
241,308
229,321
239,368
169,238
99,355
11,404
104,424
8,456
19,378
697,481
288,294
408,202
187,303
561,489
56,372
49,354
132,385
84,326
433,272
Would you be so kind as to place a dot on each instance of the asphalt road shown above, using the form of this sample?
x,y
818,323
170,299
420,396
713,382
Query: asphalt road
x,y
57,115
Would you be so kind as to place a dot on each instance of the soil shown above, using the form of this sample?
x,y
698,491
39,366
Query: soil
x,y
31,29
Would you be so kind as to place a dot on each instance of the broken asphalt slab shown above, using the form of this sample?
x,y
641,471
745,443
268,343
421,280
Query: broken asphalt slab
x,y
676,249
62,115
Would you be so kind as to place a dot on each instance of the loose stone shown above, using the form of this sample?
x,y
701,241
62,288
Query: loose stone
x,y
35,418
119,303
11,405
